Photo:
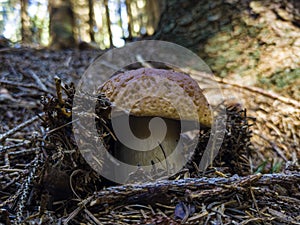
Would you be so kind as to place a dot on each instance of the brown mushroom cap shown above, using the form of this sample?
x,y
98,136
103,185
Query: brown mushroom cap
x,y
143,82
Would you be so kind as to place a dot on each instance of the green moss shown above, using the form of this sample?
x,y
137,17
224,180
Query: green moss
x,y
219,63
281,79
285,78
255,54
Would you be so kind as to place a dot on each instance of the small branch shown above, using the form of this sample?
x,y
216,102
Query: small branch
x,y
17,84
19,127
200,76
263,92
145,64
6,148
38,81
272,144
195,187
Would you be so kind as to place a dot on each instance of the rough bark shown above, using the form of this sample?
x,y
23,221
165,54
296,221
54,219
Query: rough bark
x,y
258,41
91,20
25,22
61,24
191,23
129,19
108,22
154,9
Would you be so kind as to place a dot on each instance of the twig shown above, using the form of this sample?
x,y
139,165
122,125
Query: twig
x,y
12,69
62,126
272,144
17,84
38,80
72,215
93,218
205,187
267,94
198,76
6,148
140,59
26,186
19,127
12,154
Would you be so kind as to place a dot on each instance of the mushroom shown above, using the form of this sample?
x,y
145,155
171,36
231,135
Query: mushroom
x,y
144,100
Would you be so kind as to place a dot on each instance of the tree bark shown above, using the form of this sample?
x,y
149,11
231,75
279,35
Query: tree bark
x,y
191,188
129,19
25,23
154,9
108,22
91,20
61,24
257,40
191,23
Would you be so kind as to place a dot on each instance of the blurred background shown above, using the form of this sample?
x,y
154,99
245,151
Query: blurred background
x,y
105,23
254,42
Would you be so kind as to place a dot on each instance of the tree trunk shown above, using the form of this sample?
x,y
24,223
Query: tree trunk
x,y
108,22
254,40
61,24
91,20
25,23
129,19
153,8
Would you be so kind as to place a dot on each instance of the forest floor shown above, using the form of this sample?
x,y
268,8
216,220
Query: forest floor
x,y
38,185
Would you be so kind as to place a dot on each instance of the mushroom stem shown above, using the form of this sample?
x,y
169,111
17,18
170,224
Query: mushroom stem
x,y
140,129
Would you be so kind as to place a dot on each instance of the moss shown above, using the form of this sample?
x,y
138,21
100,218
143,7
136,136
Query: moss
x,y
285,78
255,54
282,79
219,63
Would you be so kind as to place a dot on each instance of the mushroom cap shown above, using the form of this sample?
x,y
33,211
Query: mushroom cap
x,y
158,92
